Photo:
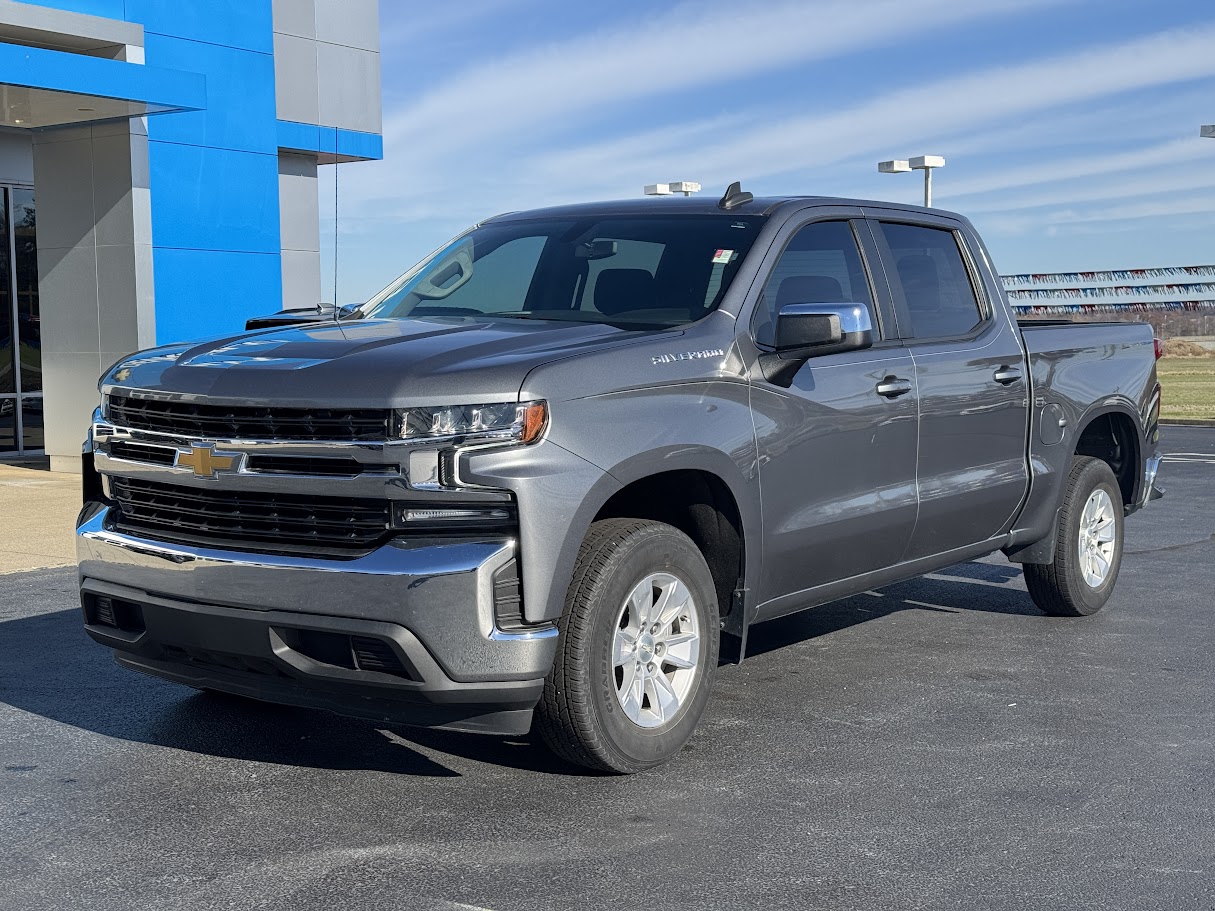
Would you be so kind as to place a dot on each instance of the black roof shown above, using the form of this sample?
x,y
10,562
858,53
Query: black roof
x,y
705,204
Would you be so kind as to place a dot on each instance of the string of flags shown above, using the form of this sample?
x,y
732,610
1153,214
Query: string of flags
x,y
1136,307
1114,275
1112,291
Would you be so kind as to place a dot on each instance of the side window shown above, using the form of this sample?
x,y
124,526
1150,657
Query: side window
x,y
936,285
821,265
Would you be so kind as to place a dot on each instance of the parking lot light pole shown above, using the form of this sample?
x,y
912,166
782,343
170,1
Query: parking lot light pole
x,y
925,163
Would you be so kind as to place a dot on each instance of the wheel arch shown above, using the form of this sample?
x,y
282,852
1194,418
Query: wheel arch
x,y
704,494
1111,432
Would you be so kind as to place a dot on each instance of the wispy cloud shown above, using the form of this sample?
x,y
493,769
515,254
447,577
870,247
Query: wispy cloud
x,y
1171,206
1175,151
549,89
898,119
599,114
403,35
760,145
1082,188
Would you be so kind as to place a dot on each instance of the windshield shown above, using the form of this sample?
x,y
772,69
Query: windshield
x,y
658,271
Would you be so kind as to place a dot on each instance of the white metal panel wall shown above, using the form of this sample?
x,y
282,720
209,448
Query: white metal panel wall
x,y
16,158
327,63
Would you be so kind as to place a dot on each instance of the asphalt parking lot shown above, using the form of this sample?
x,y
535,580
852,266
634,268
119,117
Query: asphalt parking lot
x,y
940,744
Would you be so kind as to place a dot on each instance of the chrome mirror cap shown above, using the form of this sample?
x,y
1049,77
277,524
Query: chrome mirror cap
x,y
809,330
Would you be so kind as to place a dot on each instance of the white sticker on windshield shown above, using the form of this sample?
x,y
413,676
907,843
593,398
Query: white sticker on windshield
x,y
723,256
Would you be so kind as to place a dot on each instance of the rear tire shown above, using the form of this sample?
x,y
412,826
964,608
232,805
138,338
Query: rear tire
x,y
636,652
1088,545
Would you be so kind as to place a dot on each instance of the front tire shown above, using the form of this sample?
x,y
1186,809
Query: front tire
x,y
637,649
1088,545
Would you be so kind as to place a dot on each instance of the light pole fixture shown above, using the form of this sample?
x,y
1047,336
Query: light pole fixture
x,y
925,163
1209,131
686,187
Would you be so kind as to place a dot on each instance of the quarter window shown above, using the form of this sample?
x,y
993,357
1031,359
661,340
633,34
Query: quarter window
x,y
928,267
821,265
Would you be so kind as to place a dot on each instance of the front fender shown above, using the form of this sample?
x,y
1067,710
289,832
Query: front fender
x,y
597,445
558,495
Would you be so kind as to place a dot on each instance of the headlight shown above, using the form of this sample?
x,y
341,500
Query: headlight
x,y
511,422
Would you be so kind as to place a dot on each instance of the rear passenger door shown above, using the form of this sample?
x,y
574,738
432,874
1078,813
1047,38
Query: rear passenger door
x,y
836,444
971,381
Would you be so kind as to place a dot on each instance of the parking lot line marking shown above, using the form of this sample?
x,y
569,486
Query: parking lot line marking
x,y
941,577
938,607
1204,457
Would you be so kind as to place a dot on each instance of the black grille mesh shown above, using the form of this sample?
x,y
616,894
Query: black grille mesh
x,y
248,422
262,521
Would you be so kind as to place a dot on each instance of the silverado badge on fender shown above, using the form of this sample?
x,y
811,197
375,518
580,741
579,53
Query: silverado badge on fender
x,y
686,356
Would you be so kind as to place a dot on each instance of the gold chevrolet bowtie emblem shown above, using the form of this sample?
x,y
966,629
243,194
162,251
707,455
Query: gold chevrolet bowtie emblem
x,y
205,462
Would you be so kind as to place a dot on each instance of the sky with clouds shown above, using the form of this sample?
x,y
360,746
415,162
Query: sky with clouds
x,y
1070,127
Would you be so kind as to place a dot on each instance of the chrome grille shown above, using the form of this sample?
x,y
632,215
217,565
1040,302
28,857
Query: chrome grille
x,y
143,452
309,465
266,522
247,422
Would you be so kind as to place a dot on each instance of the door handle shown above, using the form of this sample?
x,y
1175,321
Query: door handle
x,y
1006,376
892,387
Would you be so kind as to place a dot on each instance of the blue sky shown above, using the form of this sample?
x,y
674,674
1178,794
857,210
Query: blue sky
x,y
1070,126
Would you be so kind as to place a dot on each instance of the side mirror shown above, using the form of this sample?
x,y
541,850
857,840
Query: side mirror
x,y
810,330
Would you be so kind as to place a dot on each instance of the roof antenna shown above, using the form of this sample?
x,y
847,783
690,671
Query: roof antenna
x,y
735,197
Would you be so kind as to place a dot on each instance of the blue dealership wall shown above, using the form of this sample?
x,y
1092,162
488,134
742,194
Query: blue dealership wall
x,y
215,213
213,172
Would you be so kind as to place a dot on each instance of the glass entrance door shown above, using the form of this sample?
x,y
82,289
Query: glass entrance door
x,y
21,428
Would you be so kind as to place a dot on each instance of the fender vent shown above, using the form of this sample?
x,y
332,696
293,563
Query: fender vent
x,y
102,610
376,655
354,653
508,597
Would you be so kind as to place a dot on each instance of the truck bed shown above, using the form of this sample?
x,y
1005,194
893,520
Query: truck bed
x,y
1096,380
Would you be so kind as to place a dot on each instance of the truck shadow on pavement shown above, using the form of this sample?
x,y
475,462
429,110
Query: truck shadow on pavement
x,y
50,668
976,586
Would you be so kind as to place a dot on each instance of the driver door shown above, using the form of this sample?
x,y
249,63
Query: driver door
x,y
837,446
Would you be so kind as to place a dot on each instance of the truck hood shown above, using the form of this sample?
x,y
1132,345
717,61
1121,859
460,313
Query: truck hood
x,y
368,363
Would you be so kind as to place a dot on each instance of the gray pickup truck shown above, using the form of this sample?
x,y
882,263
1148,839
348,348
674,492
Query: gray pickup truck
x,y
560,466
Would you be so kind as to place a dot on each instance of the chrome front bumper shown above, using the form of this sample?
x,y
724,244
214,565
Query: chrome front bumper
x,y
430,601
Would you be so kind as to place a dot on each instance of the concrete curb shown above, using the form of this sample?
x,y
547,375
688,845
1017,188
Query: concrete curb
x,y
1181,422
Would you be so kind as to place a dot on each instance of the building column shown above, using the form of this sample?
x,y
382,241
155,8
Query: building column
x,y
95,284
299,230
